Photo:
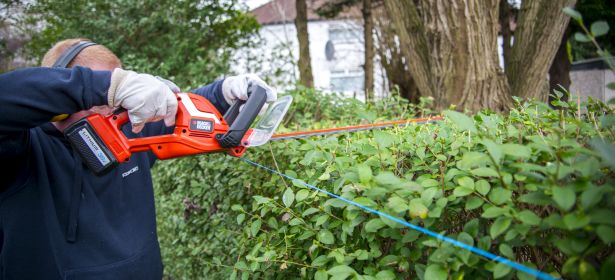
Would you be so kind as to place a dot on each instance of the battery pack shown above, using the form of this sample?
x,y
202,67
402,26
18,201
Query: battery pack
x,y
93,151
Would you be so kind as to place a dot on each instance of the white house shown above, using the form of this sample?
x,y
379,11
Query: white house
x,y
336,49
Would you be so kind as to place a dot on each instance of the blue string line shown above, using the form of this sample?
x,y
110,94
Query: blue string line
x,y
537,273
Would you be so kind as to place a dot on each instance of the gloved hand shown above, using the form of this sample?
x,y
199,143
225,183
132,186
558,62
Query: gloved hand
x,y
145,98
236,87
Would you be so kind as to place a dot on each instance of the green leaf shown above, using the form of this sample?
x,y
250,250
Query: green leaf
x,y
428,183
320,261
240,218
384,139
460,120
321,275
605,150
288,197
466,182
580,37
472,159
397,204
361,254
322,219
386,275
500,225
260,199
417,209
587,271
494,211
564,197
435,272
500,195
528,217
516,150
374,225
462,191
573,13
295,221
611,86
326,237
507,251
325,176
603,216
575,221
494,150
484,172
255,227
301,195
473,203
501,270
599,28
591,197
606,233
387,178
365,173
309,211
483,187
341,271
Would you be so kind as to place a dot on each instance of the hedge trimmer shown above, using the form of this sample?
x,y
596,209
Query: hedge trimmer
x,y
199,128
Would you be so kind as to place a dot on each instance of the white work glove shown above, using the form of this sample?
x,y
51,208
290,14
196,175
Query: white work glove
x,y
236,87
146,98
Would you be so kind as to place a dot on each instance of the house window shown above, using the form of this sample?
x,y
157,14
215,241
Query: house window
x,y
347,81
344,35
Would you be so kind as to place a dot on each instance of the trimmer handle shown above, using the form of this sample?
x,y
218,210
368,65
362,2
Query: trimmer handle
x,y
240,122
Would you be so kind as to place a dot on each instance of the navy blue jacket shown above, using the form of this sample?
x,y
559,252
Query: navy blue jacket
x,y
57,219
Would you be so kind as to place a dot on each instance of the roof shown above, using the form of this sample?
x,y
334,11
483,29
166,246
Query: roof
x,y
283,11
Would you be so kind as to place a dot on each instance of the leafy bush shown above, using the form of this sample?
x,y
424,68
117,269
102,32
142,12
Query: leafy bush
x,y
535,186
189,42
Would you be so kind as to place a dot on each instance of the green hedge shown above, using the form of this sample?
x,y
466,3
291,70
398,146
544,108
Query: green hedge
x,y
535,186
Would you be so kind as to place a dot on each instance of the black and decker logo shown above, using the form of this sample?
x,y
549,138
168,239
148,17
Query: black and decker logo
x,y
201,125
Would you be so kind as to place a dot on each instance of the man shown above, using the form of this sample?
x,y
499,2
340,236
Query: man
x,y
58,220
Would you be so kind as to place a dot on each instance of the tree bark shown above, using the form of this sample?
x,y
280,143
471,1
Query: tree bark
x,y
392,60
368,36
305,64
540,26
452,51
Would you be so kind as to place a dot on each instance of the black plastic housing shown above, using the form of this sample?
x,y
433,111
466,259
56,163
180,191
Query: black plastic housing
x,y
90,147
240,122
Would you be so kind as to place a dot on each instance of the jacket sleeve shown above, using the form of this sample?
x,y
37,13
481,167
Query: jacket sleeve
x,y
33,96
213,93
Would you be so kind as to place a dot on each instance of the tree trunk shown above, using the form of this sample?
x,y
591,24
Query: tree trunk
x,y
305,64
391,58
559,73
540,26
368,33
451,48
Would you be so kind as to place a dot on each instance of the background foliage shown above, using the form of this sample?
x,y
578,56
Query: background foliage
x,y
535,186
189,42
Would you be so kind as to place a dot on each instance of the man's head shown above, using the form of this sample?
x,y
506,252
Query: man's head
x,y
95,57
